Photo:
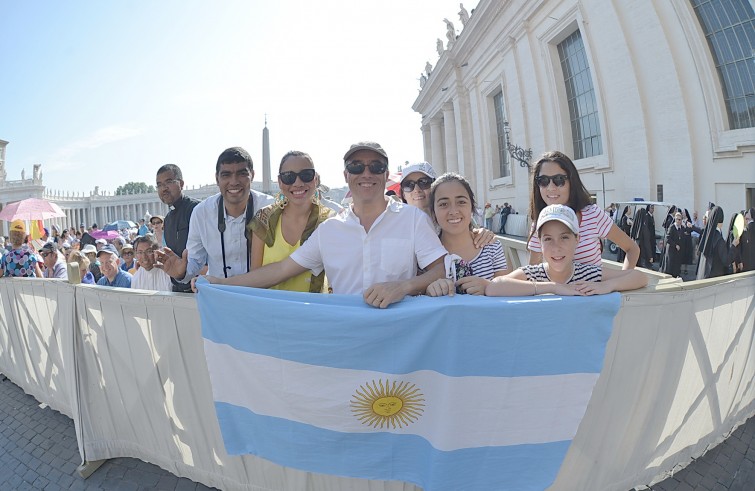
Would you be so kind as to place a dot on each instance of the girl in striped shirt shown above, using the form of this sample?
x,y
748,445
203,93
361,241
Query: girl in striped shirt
x,y
561,274
556,181
452,204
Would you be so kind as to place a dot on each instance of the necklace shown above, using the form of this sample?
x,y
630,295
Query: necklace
x,y
568,278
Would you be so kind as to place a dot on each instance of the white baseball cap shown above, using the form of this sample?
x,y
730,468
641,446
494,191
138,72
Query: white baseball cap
x,y
421,167
560,213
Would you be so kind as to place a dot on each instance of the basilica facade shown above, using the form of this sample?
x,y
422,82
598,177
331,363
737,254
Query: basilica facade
x,y
653,99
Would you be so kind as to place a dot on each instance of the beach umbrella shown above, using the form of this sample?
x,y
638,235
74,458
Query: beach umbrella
x,y
119,225
31,209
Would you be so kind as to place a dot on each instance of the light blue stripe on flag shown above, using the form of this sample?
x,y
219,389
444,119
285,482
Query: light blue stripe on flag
x,y
541,352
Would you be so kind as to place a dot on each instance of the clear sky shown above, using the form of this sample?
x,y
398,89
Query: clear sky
x,y
102,93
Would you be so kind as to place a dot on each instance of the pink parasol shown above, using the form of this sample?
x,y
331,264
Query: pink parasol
x,y
31,209
104,234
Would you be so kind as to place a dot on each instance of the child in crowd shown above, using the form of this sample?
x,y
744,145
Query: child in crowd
x,y
557,229
452,204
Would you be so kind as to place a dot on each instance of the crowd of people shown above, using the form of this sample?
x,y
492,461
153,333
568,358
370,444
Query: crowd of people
x,y
424,240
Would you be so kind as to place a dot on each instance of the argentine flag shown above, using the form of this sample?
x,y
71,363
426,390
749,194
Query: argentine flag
x,y
447,393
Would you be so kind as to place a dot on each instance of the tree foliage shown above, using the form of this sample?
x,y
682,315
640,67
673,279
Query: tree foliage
x,y
135,188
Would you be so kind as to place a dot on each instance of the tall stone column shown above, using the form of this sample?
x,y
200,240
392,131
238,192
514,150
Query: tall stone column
x,y
436,137
426,143
449,125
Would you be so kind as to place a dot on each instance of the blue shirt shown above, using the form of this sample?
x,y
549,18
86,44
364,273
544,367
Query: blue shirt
x,y
121,280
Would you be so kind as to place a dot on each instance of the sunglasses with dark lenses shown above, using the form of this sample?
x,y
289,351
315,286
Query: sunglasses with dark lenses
x,y
289,177
559,180
424,184
376,167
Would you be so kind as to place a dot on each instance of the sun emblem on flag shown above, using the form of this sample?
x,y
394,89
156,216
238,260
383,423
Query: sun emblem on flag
x,y
387,404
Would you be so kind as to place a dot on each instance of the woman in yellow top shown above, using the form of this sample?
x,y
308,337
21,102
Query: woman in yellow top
x,y
279,229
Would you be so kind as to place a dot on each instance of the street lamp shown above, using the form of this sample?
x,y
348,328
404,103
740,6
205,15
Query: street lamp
x,y
523,156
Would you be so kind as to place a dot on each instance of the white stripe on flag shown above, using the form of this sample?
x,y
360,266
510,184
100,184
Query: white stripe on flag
x,y
457,412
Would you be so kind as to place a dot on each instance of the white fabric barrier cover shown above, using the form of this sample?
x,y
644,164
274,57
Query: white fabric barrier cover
x,y
678,377
36,334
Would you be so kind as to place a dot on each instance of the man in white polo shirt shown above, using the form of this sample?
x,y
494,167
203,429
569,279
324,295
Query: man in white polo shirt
x,y
372,247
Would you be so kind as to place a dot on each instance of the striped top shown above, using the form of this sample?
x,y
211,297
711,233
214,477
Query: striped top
x,y
490,260
594,224
582,272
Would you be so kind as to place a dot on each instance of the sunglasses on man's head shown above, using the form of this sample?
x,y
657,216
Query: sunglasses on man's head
x,y
357,167
424,184
559,180
289,177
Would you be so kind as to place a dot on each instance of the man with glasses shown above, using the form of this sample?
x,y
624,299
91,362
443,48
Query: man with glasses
x,y
373,247
54,261
217,229
170,186
148,277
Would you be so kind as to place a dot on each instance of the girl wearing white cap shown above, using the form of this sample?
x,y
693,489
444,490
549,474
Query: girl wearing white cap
x,y
558,232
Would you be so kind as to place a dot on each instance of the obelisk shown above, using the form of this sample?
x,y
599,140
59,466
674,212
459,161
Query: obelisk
x,y
266,181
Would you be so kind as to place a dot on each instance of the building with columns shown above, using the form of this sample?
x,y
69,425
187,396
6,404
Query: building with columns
x,y
653,99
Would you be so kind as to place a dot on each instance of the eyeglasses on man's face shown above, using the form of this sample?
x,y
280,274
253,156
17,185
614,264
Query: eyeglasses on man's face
x,y
357,167
166,183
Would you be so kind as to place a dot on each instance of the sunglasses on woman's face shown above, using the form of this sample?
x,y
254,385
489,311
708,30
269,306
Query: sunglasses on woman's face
x,y
357,167
559,180
289,177
156,223
424,184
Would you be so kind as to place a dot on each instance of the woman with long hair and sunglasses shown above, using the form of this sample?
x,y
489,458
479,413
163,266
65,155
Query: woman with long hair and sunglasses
x,y
279,229
556,182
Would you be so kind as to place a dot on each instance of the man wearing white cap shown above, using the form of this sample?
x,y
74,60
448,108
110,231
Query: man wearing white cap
x,y
371,248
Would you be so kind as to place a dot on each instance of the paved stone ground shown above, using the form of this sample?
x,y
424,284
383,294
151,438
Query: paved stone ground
x,y
38,451
729,466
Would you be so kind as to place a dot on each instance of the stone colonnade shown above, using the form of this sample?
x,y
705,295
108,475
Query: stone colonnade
x,y
103,210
